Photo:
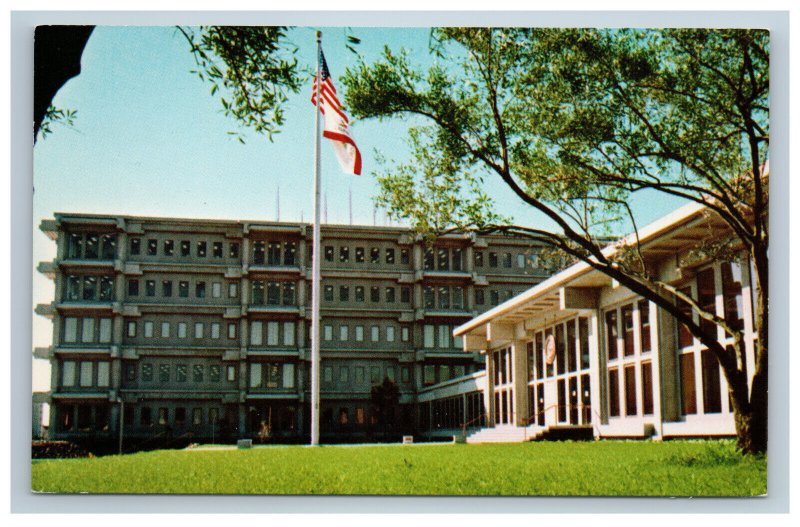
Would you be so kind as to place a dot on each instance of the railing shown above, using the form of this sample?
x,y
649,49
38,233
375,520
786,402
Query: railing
x,y
466,424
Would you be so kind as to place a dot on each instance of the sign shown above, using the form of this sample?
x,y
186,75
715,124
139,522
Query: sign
x,y
550,349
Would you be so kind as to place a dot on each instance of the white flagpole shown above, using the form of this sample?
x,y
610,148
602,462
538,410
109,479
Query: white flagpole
x,y
315,266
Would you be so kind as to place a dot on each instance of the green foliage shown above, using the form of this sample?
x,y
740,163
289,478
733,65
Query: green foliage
x,y
60,116
252,68
605,468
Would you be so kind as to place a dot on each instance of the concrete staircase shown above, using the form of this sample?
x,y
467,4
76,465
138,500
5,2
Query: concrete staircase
x,y
499,434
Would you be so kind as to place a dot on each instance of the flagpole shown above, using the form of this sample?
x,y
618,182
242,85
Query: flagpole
x,y
315,265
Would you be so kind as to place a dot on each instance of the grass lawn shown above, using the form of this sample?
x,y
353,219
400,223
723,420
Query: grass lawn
x,y
604,468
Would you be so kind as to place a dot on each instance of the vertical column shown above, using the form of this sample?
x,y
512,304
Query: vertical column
x,y
655,364
488,395
519,374
597,368
469,256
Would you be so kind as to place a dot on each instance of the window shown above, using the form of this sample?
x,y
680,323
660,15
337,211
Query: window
x,y
405,334
688,393
258,292
630,390
288,375
444,336
647,388
216,249
685,337
182,330
521,261
200,289
233,289
390,295
231,373
147,372
429,374
256,332
404,256
105,330
197,416
135,246
405,294
428,259
359,293
163,373
344,332
150,288
328,253
152,247
68,373
288,333
327,374
359,255
390,256
215,330
375,294
375,333
166,288
289,252
478,258
405,374
428,296
255,375
344,293
233,250
181,373
73,291
344,374
70,329
374,255
731,273
274,253
390,334
375,374
148,329
494,297
359,333
428,336
213,373
611,334
644,326
164,329
712,400
216,289
328,293
327,332
169,247
479,299
231,330
201,249
131,328
183,289
146,416
443,259
627,328
197,373
273,293
163,416
133,287
198,330
458,298
492,259
272,333
130,372
706,297
86,374
359,375
613,392
106,288
185,247
344,254
258,252
458,259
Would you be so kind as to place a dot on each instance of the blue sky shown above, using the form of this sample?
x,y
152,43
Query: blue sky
x,y
150,139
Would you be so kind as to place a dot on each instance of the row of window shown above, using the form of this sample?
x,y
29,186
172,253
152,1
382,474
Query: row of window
x,y
274,253
201,288
87,330
436,373
495,296
178,416
277,333
91,245
182,248
180,330
360,255
390,294
86,374
568,352
275,375
166,372
443,297
358,374
89,288
389,333
274,293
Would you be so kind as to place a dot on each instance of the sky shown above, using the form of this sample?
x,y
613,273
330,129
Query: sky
x,y
150,139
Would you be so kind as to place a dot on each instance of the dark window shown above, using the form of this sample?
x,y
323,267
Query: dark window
x,y
479,299
390,294
146,416
583,332
359,255
75,246
233,250
166,288
163,373
108,249
258,292
429,297
91,247
688,394
163,416
328,292
359,293
507,260
344,293
374,255
185,247
136,246
706,297
89,287
200,290
169,247
216,249
375,294
273,293
644,325
444,297
611,334
492,259
147,372
258,253
389,256
712,399
684,335
404,256
152,247
274,253
613,392
428,261
647,388
150,288
560,349
458,259
183,289
197,373
213,373
405,294
133,287
201,249
344,254
494,297
630,390
181,373
288,294
289,253
478,258
572,363
627,330
106,288
328,253
732,294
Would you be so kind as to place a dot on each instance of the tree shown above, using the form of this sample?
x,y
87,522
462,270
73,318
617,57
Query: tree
x,y
574,121
385,399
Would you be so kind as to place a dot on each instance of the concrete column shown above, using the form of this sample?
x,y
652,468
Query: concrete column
x,y
597,368
668,377
488,395
519,371
417,252
655,364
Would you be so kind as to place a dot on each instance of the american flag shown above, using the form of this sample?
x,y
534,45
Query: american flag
x,y
336,122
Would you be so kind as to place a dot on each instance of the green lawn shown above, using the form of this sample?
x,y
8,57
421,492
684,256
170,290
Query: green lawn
x,y
673,468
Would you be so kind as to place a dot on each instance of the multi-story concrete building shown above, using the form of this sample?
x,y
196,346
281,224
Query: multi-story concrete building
x,y
167,327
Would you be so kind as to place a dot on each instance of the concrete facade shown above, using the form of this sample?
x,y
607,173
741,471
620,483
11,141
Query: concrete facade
x,y
171,327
